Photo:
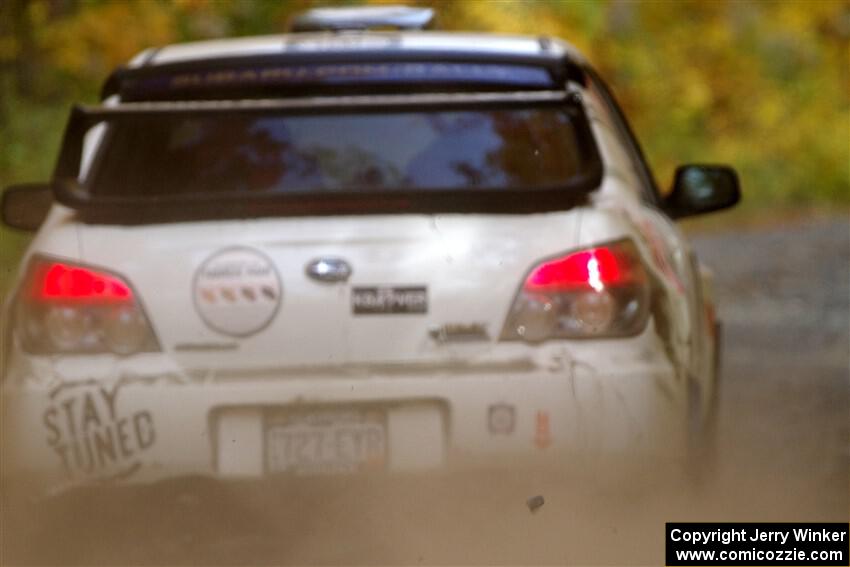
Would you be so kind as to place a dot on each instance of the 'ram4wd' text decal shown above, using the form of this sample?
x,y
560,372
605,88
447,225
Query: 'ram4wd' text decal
x,y
389,300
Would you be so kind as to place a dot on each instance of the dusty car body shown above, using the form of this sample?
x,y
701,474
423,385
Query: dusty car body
x,y
351,313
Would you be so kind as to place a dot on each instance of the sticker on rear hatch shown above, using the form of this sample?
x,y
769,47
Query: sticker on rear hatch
x,y
237,291
379,300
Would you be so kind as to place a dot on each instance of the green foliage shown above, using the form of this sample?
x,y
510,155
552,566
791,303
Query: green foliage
x,y
30,141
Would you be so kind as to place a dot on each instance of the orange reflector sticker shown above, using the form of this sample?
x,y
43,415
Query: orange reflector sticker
x,y
542,433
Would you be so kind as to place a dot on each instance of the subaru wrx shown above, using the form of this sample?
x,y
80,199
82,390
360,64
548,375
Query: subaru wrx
x,y
340,251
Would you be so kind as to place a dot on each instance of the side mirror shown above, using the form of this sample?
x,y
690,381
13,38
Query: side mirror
x,y
699,189
26,206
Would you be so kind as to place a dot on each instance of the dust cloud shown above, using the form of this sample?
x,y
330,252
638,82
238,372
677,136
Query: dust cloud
x,y
782,455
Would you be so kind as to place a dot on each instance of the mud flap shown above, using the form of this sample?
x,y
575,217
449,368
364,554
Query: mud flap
x,y
701,462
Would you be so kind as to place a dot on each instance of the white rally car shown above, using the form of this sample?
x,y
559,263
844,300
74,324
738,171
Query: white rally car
x,y
340,250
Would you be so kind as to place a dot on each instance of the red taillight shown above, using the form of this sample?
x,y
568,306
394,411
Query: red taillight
x,y
72,309
61,282
595,268
595,292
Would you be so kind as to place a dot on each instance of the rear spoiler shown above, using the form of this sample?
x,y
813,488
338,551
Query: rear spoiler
x,y
286,71
170,208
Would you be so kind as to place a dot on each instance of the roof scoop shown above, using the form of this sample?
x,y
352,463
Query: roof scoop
x,y
362,18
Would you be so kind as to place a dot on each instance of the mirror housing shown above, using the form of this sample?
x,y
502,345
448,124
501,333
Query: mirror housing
x,y
25,206
699,189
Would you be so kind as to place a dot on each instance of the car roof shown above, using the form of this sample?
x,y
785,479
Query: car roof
x,y
417,43
205,63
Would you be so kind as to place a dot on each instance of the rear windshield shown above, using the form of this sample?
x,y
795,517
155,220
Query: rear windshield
x,y
362,152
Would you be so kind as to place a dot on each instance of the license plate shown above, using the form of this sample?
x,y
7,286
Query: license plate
x,y
325,442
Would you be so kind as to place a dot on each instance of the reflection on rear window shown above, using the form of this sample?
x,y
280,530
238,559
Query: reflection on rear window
x,y
489,149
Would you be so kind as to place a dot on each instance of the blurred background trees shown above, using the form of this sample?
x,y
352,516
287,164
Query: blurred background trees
x,y
764,86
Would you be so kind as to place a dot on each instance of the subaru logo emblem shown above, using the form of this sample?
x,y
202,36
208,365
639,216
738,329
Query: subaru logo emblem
x,y
329,270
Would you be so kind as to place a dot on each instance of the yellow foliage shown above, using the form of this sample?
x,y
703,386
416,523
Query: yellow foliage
x,y
103,36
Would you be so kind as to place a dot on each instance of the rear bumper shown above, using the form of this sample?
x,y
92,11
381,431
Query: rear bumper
x,y
131,427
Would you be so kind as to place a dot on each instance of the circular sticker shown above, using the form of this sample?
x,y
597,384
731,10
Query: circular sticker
x,y
237,291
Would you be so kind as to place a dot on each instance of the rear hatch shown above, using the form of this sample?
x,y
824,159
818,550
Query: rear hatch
x,y
422,288
329,231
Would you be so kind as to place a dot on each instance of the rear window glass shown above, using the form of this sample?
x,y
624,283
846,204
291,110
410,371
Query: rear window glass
x,y
469,149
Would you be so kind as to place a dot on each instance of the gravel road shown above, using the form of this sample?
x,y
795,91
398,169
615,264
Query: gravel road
x,y
784,297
